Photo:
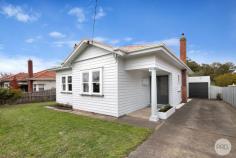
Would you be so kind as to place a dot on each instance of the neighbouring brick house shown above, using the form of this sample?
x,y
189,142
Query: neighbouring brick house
x,y
29,82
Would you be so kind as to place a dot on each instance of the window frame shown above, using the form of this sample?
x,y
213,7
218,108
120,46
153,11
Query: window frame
x,y
82,82
35,87
69,83
66,84
43,87
64,76
90,82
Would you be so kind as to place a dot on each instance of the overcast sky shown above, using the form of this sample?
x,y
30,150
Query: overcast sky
x,y
46,30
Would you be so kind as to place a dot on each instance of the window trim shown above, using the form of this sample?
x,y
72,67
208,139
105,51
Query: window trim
x,y
69,83
38,85
82,83
35,87
90,82
66,84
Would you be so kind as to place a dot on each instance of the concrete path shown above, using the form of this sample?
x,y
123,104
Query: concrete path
x,y
192,132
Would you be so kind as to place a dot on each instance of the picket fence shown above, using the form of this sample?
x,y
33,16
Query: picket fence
x,y
41,96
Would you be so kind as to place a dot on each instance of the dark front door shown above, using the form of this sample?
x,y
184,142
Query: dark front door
x,y
198,90
162,90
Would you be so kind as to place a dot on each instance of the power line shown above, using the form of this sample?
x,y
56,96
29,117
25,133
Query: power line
x,y
94,18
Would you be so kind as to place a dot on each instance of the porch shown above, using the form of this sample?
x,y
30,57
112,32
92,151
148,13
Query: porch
x,y
157,83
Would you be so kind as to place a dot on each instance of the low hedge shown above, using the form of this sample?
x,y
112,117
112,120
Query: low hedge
x,y
9,94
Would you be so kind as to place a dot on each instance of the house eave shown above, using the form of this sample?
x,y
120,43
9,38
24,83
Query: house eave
x,y
60,68
83,45
163,48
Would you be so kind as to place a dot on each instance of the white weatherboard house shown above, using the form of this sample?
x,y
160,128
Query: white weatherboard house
x,y
116,81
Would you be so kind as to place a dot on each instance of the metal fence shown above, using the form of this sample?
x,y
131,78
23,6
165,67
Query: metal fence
x,y
214,91
41,96
228,94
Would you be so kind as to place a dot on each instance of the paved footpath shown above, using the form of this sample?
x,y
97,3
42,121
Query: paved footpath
x,y
192,132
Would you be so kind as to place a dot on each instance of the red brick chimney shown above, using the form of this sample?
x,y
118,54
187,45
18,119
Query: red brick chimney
x,y
183,57
31,74
183,48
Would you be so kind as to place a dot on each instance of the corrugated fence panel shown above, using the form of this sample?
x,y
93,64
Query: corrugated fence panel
x,y
214,91
234,97
228,94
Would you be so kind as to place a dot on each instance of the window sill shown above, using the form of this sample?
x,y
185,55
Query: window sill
x,y
93,95
66,92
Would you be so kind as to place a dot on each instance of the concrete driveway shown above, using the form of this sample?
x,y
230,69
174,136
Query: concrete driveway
x,y
192,132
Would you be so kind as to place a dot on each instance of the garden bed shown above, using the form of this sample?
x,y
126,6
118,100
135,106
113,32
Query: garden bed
x,y
166,111
63,106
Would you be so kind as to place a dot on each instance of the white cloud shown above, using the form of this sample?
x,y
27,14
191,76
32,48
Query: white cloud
x,y
128,39
172,42
114,41
30,40
79,13
19,63
18,13
100,39
68,43
100,13
56,34
107,40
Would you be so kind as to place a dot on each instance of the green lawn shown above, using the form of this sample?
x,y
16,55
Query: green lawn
x,y
31,130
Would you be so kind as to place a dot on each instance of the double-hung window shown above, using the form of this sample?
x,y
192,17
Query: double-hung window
x,y
96,86
40,87
66,83
63,81
85,82
69,83
92,82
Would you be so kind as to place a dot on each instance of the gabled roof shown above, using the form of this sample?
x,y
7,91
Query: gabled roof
x,y
132,48
19,77
84,44
121,51
42,75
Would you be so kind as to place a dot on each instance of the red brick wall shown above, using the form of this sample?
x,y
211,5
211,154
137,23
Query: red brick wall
x,y
30,73
183,52
184,85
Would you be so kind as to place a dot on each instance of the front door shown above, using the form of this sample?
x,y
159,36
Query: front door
x,y
162,90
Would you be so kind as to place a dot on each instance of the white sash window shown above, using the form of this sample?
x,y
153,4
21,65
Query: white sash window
x,y
91,82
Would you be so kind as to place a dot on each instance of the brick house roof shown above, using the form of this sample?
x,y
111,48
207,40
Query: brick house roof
x,y
42,75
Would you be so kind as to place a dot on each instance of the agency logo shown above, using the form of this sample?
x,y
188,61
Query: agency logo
x,y
222,147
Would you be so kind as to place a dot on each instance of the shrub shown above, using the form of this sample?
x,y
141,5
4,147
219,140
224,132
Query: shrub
x,y
218,97
225,80
9,94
